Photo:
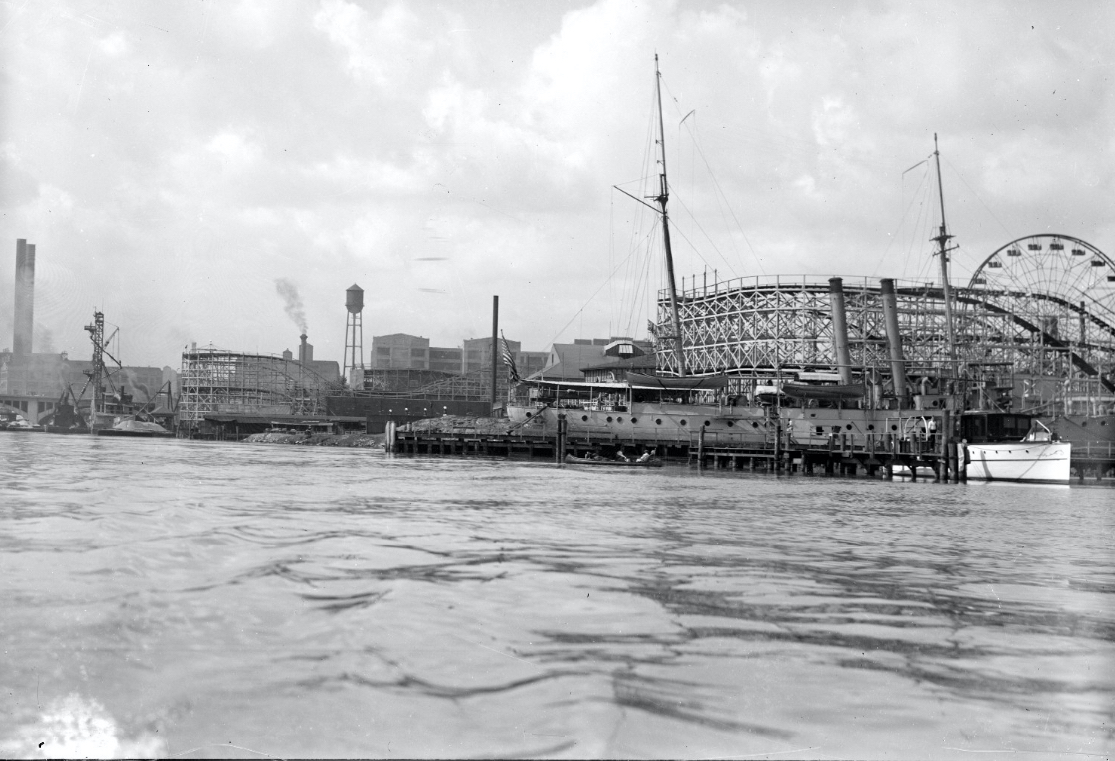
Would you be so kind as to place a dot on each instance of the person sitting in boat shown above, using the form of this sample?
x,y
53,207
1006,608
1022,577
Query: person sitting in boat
x,y
595,455
645,456
621,457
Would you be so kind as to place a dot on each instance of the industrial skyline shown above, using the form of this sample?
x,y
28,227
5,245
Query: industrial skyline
x,y
173,160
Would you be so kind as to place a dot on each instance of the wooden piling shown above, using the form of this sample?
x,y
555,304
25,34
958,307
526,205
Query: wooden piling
x,y
559,445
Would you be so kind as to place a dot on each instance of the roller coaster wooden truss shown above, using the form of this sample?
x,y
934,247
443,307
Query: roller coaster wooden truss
x,y
762,327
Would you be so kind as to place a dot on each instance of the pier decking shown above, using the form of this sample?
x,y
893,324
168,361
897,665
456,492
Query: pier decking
x,y
873,455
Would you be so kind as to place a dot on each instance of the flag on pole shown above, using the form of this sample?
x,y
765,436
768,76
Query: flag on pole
x,y
509,359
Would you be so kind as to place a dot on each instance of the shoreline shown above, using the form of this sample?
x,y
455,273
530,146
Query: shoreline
x,y
454,424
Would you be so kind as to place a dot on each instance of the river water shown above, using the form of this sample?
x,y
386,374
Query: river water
x,y
174,598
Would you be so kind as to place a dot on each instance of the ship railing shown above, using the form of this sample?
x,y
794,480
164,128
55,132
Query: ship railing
x,y
1096,450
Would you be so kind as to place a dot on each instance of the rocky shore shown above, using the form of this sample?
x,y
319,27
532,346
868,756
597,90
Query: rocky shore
x,y
362,440
459,424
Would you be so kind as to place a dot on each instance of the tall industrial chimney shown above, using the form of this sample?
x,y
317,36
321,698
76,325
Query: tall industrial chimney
x,y
24,328
305,351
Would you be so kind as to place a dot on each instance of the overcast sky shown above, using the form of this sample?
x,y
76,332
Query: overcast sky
x,y
179,162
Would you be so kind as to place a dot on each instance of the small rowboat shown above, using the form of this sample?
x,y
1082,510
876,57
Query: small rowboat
x,y
653,462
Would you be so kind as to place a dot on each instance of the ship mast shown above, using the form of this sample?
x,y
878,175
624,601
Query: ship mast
x,y
662,197
942,240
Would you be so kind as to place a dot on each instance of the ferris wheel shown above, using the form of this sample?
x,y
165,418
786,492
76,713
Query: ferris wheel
x,y
1048,270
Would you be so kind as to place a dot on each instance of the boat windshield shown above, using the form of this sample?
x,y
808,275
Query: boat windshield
x,y
1038,432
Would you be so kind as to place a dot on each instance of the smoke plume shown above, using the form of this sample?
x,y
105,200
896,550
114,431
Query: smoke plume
x,y
44,339
293,305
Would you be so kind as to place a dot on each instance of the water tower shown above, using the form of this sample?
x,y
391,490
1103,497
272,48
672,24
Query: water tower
x,y
354,332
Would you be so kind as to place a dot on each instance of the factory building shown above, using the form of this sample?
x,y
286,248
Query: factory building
x,y
399,351
445,360
33,382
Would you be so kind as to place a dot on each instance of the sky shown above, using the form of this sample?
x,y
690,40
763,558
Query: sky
x,y
221,172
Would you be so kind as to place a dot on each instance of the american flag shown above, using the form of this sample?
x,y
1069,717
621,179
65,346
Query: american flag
x,y
509,360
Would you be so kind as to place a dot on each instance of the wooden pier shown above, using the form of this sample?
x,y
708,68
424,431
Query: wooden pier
x,y
1092,458
872,455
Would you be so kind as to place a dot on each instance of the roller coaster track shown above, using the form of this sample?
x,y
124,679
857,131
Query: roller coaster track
x,y
1049,340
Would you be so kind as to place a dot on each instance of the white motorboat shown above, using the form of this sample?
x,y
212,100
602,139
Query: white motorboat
x,y
1039,457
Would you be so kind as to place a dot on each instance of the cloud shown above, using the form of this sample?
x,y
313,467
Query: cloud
x,y
206,150
114,45
382,50
233,149
17,186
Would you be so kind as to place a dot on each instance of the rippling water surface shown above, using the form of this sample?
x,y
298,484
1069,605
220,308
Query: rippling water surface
x,y
184,598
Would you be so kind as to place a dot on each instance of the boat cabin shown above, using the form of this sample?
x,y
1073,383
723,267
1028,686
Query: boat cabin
x,y
991,427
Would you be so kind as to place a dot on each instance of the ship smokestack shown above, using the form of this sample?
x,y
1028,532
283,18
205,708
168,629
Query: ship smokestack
x,y
840,330
24,323
894,340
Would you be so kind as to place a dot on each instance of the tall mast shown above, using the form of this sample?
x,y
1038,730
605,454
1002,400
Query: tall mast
x,y
662,198
942,251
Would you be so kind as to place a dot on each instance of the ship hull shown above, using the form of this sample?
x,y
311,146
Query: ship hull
x,y
1043,462
651,423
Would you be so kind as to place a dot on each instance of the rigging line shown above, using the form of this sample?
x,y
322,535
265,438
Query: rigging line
x,y
692,154
894,235
970,190
642,279
918,232
590,298
650,288
915,166
716,183
624,309
731,269
758,136
612,234
695,249
638,247
647,265
727,203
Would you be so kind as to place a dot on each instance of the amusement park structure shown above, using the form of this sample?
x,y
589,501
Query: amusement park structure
x,y
1036,321
215,381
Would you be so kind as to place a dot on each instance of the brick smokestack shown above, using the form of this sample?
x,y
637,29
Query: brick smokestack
x,y
305,351
24,315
